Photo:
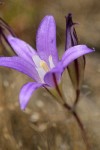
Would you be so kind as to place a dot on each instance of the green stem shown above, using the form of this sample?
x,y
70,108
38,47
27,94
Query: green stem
x,y
75,115
77,98
83,132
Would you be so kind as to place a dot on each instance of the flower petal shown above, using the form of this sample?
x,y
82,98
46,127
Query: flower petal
x,y
21,48
70,55
20,65
9,39
26,93
53,76
46,39
73,53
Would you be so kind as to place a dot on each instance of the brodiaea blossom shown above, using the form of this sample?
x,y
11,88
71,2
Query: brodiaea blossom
x,y
43,65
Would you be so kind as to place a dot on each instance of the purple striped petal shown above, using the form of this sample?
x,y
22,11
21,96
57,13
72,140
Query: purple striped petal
x,y
9,39
20,65
26,93
46,39
70,55
21,48
73,53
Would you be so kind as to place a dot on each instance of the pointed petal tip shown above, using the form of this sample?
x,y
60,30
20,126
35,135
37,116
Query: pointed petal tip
x,y
23,102
26,92
69,20
75,52
49,17
22,107
89,50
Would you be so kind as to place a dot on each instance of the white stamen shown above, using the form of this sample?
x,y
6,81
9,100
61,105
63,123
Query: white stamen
x,y
51,62
36,60
41,67
41,73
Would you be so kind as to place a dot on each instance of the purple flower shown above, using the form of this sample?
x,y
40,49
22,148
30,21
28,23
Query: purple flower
x,y
43,65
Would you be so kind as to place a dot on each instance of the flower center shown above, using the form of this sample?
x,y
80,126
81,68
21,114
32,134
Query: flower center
x,y
42,67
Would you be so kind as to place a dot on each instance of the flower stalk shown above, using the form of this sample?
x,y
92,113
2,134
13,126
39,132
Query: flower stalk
x,y
80,124
73,112
76,73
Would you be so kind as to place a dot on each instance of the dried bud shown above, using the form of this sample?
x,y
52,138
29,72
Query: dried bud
x,y
76,68
5,30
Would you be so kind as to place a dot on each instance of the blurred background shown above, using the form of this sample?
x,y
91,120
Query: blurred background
x,y
44,125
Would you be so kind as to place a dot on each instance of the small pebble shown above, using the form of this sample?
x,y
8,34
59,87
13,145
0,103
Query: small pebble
x,y
34,117
39,103
5,83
